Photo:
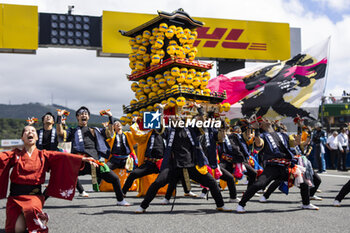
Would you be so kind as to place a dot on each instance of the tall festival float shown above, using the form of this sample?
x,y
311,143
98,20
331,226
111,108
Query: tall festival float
x,y
164,70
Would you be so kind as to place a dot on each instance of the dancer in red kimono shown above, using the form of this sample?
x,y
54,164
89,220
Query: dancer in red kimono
x,y
24,209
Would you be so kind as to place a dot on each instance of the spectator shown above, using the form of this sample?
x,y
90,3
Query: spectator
x,y
344,142
334,146
318,139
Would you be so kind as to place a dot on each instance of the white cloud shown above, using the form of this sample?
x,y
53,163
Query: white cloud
x,y
337,5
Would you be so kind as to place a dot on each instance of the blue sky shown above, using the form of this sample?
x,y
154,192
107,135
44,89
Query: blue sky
x,y
333,9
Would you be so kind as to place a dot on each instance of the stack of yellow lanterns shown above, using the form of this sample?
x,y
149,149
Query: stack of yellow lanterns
x,y
150,49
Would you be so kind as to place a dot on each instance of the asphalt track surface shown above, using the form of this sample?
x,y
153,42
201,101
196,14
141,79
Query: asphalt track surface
x,y
282,213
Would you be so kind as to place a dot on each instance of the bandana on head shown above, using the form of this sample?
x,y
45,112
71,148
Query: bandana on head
x,y
81,111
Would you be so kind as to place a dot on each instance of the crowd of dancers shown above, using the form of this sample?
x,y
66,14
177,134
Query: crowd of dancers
x,y
257,148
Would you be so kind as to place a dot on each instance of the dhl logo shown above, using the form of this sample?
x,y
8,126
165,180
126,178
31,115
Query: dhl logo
x,y
211,40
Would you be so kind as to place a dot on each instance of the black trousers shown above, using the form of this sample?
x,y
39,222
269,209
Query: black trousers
x,y
269,174
80,186
145,169
250,173
317,154
172,187
333,156
343,192
172,175
109,177
227,170
342,159
274,185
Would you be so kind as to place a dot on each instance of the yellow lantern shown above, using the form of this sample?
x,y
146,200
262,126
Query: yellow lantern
x,y
142,83
184,88
145,42
175,89
172,27
163,27
155,87
161,53
191,40
166,74
184,71
226,107
159,43
132,65
196,82
146,58
183,39
142,110
160,36
135,114
206,75
134,71
155,59
150,80
140,65
134,86
143,98
181,78
191,56
146,34
194,33
171,50
123,120
172,43
180,101
206,92
147,89
135,48
189,79
221,108
180,34
162,83
187,32
169,33
170,80
197,91
132,57
160,92
142,49
194,50
199,75
191,72
187,48
153,50
139,56
152,95
152,40
175,71
158,77
132,41
155,31
204,82
150,108
171,102
133,102
138,39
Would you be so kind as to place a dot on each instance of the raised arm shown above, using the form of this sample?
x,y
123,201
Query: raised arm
x,y
59,126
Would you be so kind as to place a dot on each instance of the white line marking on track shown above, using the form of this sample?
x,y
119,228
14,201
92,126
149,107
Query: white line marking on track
x,y
330,175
